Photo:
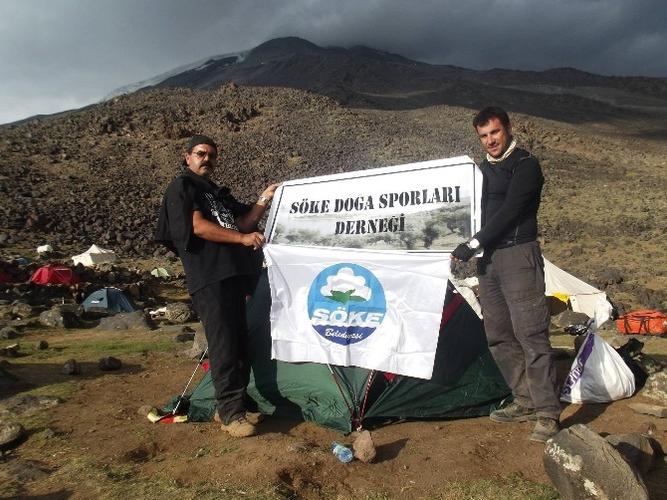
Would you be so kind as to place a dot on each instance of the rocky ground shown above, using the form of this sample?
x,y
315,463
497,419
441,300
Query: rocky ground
x,y
97,176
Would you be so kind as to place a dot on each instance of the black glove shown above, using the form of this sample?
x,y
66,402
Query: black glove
x,y
464,252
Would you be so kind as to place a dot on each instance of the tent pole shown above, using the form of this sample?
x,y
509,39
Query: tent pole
x,y
342,394
178,404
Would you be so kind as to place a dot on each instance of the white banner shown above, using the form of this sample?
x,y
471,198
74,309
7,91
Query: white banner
x,y
377,310
425,206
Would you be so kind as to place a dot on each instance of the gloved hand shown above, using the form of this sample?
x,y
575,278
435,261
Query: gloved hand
x,y
463,252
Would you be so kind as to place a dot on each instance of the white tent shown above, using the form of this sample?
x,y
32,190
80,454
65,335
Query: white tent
x,y
583,297
95,255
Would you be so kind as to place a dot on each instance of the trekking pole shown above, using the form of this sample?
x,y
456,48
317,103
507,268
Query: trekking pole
x,y
181,399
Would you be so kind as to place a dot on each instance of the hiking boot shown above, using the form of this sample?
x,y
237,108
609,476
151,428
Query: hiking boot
x,y
253,417
513,412
239,427
545,428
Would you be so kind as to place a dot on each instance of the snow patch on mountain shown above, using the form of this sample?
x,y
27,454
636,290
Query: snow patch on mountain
x,y
195,66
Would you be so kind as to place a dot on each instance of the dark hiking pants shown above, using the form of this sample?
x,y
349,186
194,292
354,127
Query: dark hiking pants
x,y
516,320
221,308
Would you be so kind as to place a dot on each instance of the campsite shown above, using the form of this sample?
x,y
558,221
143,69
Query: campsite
x,y
86,431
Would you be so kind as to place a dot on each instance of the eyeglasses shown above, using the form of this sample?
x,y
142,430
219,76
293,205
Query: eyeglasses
x,y
203,154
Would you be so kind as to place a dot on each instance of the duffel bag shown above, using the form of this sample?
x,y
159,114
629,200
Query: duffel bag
x,y
644,322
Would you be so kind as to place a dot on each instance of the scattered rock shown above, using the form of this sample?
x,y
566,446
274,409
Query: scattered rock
x,y
11,351
609,276
48,433
57,317
583,465
145,410
656,387
8,333
568,317
644,409
125,321
23,405
10,434
185,337
71,367
178,312
21,310
42,345
27,470
637,449
364,448
110,363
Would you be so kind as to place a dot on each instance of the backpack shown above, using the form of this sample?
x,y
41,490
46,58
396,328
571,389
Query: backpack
x,y
644,322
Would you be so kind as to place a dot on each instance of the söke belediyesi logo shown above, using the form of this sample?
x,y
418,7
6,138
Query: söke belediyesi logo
x,y
346,303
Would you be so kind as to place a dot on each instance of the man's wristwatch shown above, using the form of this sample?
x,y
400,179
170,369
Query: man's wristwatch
x,y
263,201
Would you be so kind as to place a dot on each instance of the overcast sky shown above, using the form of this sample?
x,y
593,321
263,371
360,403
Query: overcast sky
x,y
63,54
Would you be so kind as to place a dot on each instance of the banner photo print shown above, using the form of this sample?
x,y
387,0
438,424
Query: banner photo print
x,y
376,310
425,206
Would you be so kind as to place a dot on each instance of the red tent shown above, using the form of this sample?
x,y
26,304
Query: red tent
x,y
54,274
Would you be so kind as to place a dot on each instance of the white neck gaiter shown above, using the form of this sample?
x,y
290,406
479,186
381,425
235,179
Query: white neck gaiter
x,y
511,147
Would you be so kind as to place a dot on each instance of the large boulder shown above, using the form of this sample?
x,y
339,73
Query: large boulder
x,y
126,321
583,465
638,449
59,317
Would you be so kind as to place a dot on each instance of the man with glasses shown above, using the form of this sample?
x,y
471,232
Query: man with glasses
x,y
511,276
216,238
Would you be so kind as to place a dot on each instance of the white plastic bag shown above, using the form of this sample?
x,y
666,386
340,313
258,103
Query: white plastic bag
x,y
598,374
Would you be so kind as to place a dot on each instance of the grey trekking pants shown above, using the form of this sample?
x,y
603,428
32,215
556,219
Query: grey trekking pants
x,y
516,320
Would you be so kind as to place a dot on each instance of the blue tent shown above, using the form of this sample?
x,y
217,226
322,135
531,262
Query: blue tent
x,y
108,299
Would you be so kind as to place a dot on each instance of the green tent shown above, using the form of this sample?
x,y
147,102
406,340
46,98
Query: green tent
x,y
465,382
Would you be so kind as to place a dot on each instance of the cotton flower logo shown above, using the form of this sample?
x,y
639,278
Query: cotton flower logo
x,y
346,287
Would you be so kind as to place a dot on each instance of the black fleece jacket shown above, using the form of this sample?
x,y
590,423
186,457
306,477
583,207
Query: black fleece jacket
x,y
511,193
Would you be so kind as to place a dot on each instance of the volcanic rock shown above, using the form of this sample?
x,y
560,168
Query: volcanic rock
x,y
10,351
178,312
656,387
568,317
8,333
644,409
10,434
71,367
59,317
364,448
21,310
110,363
583,465
637,449
125,321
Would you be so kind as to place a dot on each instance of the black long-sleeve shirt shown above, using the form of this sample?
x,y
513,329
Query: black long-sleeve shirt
x,y
511,193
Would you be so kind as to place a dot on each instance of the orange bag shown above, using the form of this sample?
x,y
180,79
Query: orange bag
x,y
644,322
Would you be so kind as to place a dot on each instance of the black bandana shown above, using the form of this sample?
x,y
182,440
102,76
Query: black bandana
x,y
200,139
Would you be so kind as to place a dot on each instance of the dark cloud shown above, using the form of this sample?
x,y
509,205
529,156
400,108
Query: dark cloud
x,y
58,54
